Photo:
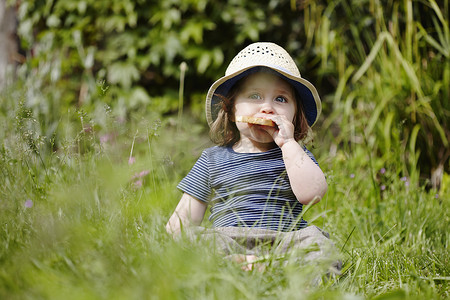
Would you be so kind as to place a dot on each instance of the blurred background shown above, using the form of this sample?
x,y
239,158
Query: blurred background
x,y
102,114
381,67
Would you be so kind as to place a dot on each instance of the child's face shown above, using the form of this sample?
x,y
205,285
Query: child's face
x,y
263,95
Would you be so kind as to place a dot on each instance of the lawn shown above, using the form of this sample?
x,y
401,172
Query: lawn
x,y
85,220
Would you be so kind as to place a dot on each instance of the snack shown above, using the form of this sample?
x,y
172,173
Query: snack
x,y
254,120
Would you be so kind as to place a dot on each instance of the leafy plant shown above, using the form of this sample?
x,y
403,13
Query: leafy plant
x,y
392,81
380,66
87,220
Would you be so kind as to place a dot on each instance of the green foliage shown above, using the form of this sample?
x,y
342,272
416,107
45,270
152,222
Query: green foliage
x,y
132,47
392,81
92,148
382,67
84,221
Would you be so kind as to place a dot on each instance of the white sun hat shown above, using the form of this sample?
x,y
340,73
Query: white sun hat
x,y
250,60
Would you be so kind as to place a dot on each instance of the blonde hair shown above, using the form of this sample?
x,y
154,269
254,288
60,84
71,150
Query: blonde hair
x,y
224,132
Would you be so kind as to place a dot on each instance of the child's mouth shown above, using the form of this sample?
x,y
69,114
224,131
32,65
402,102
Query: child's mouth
x,y
256,121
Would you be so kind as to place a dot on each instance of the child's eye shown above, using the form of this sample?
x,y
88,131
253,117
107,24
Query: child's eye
x,y
255,96
281,99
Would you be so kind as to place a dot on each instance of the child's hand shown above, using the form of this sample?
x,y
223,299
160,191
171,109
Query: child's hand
x,y
248,262
284,131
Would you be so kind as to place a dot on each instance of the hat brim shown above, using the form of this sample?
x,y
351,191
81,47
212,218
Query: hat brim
x,y
308,93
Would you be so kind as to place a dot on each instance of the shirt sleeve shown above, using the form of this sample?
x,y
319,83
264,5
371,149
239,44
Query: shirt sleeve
x,y
310,155
197,183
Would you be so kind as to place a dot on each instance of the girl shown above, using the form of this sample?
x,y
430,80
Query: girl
x,y
259,176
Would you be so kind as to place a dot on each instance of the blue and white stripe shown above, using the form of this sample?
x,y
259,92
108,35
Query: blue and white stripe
x,y
245,189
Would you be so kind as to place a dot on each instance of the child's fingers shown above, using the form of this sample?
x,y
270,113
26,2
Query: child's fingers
x,y
284,129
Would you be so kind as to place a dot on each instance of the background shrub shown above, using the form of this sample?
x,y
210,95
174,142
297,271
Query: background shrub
x,y
382,67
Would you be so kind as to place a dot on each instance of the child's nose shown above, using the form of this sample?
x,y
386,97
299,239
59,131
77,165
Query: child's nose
x,y
267,108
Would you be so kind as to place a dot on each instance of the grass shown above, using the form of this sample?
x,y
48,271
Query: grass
x,y
84,196
77,224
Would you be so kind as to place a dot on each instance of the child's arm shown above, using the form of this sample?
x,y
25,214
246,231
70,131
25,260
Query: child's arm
x,y
307,179
189,211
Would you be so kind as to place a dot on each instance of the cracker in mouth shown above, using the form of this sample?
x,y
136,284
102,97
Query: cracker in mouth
x,y
255,120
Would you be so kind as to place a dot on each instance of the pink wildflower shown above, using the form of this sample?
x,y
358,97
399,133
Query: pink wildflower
x,y
141,174
137,184
104,138
144,173
29,203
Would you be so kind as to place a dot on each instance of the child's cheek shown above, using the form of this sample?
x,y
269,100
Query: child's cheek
x,y
242,126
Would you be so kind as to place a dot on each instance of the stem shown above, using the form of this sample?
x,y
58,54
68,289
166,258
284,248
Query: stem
x,y
183,68
132,145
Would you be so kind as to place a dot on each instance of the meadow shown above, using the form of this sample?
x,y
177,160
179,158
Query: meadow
x,y
86,220
102,122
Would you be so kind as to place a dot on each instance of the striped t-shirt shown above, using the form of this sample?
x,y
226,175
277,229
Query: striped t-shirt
x,y
245,189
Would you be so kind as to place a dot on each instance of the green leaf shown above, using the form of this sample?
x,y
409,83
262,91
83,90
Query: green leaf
x,y
53,21
138,97
203,62
123,73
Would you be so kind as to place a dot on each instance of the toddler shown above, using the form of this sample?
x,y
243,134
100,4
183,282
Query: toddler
x,y
259,176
